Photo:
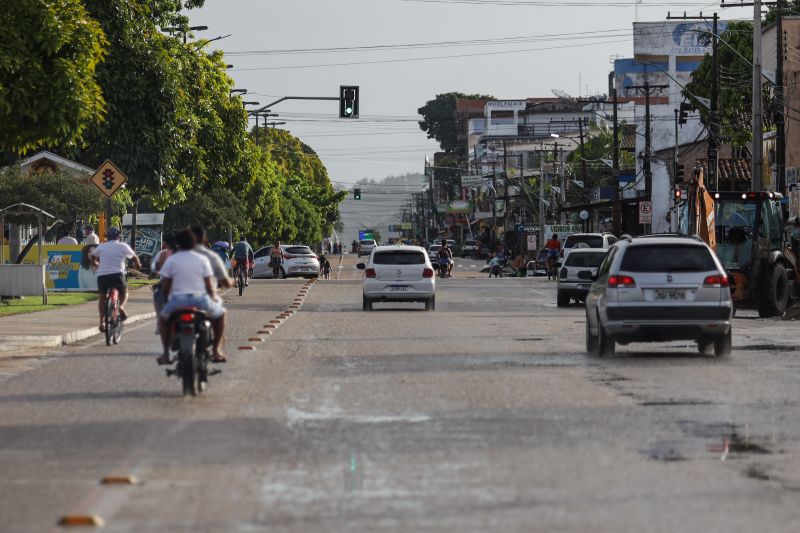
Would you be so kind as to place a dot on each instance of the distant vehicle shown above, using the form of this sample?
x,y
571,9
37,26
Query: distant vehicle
x,y
575,276
433,252
538,265
585,240
651,289
298,260
398,274
365,246
470,248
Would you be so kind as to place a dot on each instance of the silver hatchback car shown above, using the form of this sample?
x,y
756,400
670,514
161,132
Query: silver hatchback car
x,y
659,288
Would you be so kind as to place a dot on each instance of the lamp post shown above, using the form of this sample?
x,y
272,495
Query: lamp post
x,y
185,30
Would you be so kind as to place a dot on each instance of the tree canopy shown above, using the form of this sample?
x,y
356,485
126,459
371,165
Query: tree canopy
x,y
49,93
439,118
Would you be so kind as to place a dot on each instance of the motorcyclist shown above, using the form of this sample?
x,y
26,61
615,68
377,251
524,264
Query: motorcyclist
x,y
445,258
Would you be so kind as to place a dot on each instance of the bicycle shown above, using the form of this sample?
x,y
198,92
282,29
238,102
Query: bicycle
x,y
113,319
551,268
241,275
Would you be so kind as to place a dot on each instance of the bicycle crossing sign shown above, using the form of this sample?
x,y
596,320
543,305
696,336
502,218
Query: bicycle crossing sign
x,y
108,178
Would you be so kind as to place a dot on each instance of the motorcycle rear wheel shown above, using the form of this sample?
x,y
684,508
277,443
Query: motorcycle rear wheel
x,y
190,375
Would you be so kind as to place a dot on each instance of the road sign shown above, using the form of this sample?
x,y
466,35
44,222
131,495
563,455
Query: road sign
x,y
471,181
645,212
527,228
531,243
108,178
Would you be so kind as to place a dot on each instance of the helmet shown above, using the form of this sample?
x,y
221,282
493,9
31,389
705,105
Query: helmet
x,y
222,244
113,234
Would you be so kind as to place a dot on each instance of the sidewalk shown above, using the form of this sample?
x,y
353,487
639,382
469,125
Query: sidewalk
x,y
56,327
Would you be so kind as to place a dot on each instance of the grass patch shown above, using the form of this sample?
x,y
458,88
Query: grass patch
x,y
32,304
134,283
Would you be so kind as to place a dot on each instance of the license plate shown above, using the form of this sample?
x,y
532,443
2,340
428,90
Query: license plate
x,y
398,288
671,295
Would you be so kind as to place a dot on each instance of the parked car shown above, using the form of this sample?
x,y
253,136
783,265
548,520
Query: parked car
x,y
298,260
575,276
659,289
585,240
470,248
538,265
398,274
365,246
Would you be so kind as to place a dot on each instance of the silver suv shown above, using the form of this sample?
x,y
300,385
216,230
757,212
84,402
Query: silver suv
x,y
651,289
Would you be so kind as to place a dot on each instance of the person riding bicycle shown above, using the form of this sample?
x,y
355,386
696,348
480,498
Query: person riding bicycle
x,y
109,257
553,247
188,281
243,253
276,260
445,258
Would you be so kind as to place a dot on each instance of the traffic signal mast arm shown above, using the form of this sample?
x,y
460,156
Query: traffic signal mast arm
x,y
279,100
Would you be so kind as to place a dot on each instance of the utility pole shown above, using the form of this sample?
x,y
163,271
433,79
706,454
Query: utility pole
x,y
779,107
584,173
612,91
541,199
712,179
648,173
756,184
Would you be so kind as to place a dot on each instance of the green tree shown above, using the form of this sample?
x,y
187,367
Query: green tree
x,y
217,210
48,88
735,85
439,119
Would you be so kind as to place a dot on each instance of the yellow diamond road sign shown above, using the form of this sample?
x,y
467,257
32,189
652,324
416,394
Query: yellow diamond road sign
x,y
109,178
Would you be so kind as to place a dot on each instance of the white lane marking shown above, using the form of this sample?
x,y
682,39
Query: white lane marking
x,y
296,416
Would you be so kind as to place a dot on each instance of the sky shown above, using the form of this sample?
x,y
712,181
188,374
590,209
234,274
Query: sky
x,y
402,53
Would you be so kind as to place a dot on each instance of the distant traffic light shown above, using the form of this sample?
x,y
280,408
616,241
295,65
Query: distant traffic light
x,y
348,101
357,194
679,175
685,108
678,194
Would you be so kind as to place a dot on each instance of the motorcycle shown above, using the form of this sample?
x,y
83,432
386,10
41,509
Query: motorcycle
x,y
444,268
192,337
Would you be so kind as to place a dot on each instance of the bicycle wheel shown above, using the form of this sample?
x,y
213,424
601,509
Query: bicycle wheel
x,y
240,281
117,321
108,322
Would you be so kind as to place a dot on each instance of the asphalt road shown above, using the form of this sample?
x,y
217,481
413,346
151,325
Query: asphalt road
x,y
483,415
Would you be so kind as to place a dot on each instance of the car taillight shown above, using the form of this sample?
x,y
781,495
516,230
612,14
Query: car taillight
x,y
370,273
427,273
720,280
561,253
615,282
563,273
187,317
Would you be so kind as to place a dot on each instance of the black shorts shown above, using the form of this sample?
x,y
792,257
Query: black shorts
x,y
107,282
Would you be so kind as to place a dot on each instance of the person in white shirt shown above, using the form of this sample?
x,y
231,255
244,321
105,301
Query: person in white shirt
x,y
66,238
89,236
188,281
109,258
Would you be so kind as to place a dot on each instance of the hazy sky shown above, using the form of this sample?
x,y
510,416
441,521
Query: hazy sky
x,y
508,48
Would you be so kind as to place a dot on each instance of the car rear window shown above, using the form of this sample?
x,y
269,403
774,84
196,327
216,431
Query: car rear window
x,y
667,258
592,241
368,242
435,247
399,257
299,250
589,260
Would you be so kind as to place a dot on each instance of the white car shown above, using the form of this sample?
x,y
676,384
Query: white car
x,y
398,274
365,246
433,252
298,260
585,240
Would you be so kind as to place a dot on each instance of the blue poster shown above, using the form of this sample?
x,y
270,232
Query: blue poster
x,y
69,270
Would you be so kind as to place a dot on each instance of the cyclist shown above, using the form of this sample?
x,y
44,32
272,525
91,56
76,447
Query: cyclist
x,y
243,253
109,257
553,247
188,281
445,258
276,260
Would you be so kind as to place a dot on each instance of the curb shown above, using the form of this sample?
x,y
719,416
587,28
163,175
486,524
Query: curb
x,y
10,343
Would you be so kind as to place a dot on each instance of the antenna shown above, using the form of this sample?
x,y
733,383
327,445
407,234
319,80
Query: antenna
x,y
636,11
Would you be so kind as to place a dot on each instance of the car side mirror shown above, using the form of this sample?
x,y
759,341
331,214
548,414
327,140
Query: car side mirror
x,y
361,266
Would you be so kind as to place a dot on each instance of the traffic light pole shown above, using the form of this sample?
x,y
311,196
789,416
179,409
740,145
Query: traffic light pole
x,y
279,100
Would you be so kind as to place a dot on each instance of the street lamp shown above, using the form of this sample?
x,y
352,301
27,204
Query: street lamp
x,y
206,41
238,91
251,103
184,30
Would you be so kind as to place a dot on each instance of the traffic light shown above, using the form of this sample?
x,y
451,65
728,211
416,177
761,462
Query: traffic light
x,y
679,175
348,101
357,194
678,195
685,108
